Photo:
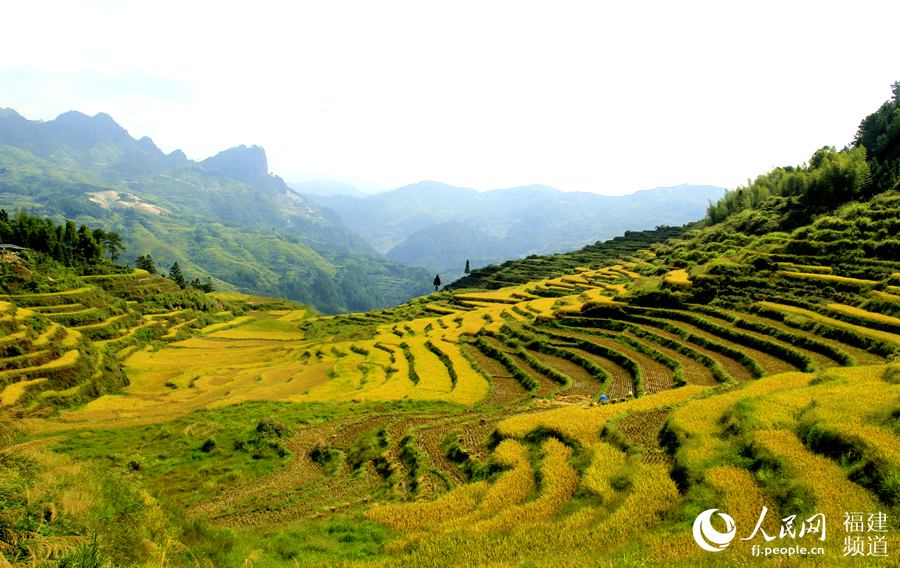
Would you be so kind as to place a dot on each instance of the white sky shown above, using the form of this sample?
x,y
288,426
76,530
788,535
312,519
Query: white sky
x,y
591,96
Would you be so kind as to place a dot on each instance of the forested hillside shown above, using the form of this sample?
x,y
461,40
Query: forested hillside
x,y
438,226
581,409
227,216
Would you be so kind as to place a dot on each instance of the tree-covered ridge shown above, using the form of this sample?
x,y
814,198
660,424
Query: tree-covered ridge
x,y
870,165
536,267
879,134
579,420
65,242
421,425
226,216
439,226
65,330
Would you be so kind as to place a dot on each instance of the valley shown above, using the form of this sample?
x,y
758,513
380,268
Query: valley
x,y
438,226
226,217
584,408
466,426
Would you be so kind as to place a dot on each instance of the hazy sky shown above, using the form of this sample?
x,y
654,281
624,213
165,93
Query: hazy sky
x,y
592,96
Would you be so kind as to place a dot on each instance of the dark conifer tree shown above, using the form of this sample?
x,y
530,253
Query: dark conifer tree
x,y
177,276
145,262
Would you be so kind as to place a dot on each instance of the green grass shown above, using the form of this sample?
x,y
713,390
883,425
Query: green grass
x,y
176,459
341,537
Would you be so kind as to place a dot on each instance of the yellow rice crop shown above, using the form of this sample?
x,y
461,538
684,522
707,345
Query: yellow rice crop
x,y
132,274
699,419
625,271
864,314
596,295
544,306
263,327
67,359
884,443
471,386
419,325
893,298
834,493
480,303
512,486
678,277
13,337
225,325
828,278
417,516
776,403
740,495
578,280
805,268
652,493
491,296
71,338
346,375
173,331
240,296
13,392
438,309
44,338
605,463
294,315
73,292
558,484
433,375
873,333
584,424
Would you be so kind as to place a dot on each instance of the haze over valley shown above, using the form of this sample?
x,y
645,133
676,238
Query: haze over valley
x,y
229,218
439,227
418,284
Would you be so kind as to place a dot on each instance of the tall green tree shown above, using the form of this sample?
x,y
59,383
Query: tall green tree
x,y
467,270
177,276
69,241
436,282
145,262
86,247
831,177
66,243
879,134
111,243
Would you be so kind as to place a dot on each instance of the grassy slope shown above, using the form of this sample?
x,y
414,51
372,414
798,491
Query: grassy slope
x,y
392,437
290,252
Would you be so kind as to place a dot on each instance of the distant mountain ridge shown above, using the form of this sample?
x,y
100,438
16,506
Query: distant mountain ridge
x,y
326,187
229,217
226,216
439,226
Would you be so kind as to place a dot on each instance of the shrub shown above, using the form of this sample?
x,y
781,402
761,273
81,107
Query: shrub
x,y
662,298
892,374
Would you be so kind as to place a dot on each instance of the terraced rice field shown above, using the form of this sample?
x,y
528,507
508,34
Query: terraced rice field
x,y
552,419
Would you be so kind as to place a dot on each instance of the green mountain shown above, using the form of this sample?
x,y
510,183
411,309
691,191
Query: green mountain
x,y
840,210
438,226
585,415
226,216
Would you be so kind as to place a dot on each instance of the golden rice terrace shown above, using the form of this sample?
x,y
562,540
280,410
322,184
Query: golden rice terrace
x,y
585,418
